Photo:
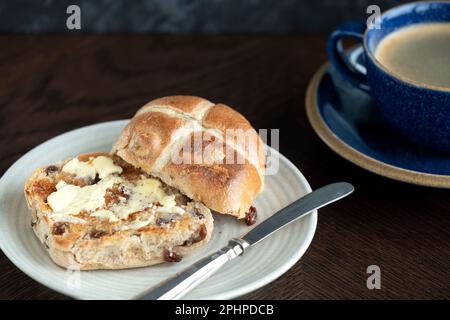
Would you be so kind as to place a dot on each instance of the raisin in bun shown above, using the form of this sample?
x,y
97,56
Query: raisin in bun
x,y
96,211
157,132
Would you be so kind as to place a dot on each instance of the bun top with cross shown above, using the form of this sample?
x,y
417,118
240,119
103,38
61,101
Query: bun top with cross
x,y
208,151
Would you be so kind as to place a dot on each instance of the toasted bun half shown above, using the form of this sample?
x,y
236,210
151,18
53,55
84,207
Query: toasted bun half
x,y
208,151
128,229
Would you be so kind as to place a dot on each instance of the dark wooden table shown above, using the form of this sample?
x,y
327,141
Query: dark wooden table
x,y
50,84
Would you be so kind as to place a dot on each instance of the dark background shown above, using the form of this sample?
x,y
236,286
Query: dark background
x,y
187,16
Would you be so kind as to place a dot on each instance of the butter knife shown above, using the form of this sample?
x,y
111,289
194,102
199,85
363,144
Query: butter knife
x,y
186,280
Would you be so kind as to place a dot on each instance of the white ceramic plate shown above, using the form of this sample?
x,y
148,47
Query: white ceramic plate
x,y
259,266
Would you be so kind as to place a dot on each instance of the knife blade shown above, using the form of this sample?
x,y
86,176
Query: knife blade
x,y
179,285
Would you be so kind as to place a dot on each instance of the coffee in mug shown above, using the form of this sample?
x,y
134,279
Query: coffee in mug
x,y
407,69
418,53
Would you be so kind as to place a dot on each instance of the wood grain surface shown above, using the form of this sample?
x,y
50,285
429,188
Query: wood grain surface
x,y
53,83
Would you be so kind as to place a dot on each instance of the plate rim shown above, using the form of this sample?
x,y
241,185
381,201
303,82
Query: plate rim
x,y
355,156
238,292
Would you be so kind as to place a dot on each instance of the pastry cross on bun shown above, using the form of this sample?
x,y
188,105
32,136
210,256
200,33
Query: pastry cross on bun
x,y
231,171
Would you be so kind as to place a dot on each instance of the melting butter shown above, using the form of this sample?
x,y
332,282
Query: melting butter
x,y
105,214
142,195
101,165
71,199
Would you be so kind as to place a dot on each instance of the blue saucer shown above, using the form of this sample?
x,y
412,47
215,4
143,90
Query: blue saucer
x,y
348,121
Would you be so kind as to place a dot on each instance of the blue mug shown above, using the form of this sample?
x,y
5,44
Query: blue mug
x,y
418,112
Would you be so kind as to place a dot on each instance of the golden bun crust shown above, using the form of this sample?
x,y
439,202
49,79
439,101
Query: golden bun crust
x,y
159,130
82,246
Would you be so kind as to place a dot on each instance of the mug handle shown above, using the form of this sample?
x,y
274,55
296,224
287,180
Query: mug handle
x,y
337,56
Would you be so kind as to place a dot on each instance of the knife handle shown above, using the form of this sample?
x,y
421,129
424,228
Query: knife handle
x,y
191,277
